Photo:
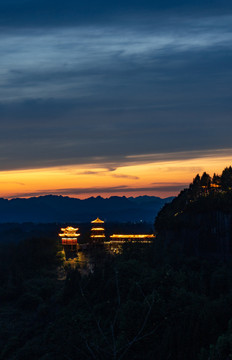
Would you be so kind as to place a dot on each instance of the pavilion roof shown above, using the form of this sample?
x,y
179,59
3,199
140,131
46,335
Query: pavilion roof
x,y
97,221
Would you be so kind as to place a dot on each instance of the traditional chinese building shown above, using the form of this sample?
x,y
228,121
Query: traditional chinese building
x,y
69,238
97,231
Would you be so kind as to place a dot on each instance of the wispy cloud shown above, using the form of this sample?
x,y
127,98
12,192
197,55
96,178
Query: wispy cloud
x,y
124,176
90,172
108,173
12,183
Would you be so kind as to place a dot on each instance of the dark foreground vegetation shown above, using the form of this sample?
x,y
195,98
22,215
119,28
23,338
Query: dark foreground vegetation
x,y
148,303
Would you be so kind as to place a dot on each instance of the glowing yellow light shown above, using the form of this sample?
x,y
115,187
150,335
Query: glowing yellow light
x,y
69,232
97,236
69,235
116,242
97,221
69,228
134,236
69,241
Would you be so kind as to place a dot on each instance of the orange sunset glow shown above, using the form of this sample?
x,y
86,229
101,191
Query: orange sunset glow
x,y
159,178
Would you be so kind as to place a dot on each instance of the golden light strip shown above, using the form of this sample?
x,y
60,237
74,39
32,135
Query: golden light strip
x,y
138,236
97,236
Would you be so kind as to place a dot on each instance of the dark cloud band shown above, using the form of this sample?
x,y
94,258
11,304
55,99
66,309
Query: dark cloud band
x,y
31,13
113,93
105,190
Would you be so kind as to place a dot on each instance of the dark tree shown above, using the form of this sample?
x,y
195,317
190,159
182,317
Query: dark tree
x,y
205,180
226,178
216,179
197,180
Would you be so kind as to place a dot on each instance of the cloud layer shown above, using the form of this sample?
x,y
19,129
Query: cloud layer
x,y
106,82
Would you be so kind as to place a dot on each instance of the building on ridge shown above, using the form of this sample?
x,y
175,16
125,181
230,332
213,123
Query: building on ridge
x,y
69,238
97,231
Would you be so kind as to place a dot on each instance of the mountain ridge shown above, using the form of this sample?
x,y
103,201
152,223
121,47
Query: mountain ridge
x,y
58,208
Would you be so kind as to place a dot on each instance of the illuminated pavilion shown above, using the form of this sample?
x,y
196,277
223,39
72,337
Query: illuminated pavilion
x,y
69,238
97,231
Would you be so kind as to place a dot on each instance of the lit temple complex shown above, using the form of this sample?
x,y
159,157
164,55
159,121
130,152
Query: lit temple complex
x,y
114,243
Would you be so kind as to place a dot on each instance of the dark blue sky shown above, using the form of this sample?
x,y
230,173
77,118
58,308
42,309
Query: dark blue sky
x,y
98,81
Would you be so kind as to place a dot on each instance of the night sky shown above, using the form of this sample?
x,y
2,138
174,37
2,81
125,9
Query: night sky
x,y
113,98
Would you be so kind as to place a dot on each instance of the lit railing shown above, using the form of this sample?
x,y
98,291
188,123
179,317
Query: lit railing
x,y
134,236
69,235
97,236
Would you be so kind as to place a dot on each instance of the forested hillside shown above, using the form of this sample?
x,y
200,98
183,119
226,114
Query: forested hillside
x,y
148,303
199,219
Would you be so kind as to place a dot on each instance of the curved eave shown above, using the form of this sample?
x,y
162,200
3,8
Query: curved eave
x,y
69,236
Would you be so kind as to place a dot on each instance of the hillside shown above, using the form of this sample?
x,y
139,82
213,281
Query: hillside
x,y
199,219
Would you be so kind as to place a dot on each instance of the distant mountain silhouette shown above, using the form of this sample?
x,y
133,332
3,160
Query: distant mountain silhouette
x,y
50,208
